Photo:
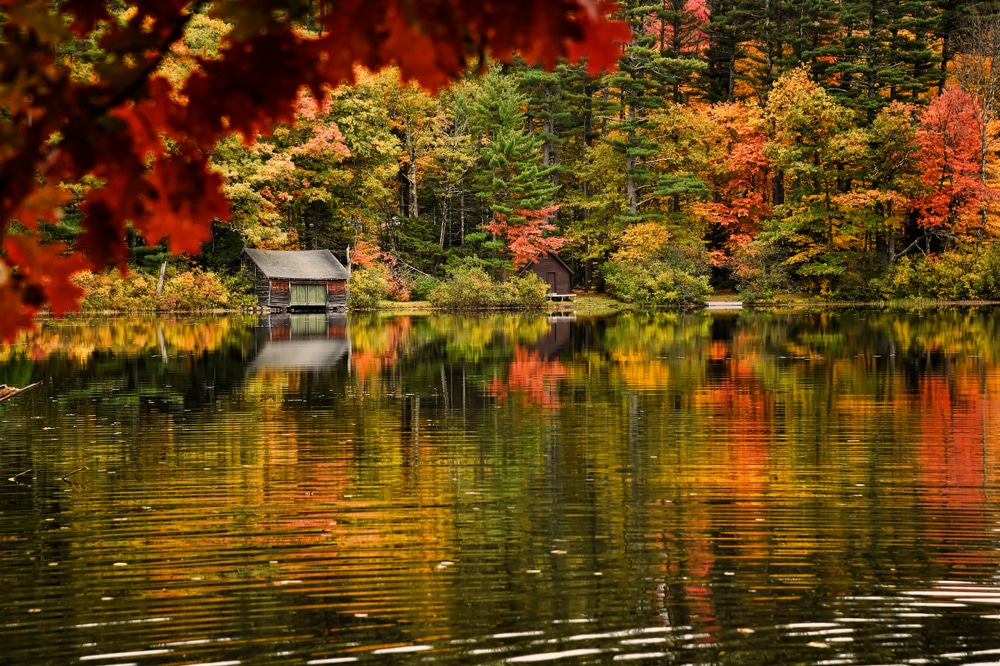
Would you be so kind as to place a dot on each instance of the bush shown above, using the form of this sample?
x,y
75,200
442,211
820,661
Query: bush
x,y
525,290
856,284
367,287
469,287
656,283
423,287
761,274
186,290
952,276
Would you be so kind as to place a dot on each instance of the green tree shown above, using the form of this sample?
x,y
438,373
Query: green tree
x,y
815,145
512,177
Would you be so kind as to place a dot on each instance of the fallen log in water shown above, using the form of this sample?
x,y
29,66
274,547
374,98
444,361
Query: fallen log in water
x,y
8,392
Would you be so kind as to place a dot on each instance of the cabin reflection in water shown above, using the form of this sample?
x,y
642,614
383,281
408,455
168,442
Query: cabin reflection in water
x,y
558,336
313,341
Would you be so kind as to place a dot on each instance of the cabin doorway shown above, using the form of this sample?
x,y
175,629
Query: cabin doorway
x,y
550,279
308,296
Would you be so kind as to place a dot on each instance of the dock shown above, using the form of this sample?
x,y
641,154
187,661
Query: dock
x,y
724,305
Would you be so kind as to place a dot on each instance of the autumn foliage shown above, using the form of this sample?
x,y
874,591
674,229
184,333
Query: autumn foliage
x,y
142,144
950,155
525,236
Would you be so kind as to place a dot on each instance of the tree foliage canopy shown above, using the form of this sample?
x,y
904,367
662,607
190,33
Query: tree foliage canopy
x,y
85,96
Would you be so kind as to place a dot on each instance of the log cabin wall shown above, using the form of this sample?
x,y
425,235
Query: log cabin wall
x,y
336,295
280,296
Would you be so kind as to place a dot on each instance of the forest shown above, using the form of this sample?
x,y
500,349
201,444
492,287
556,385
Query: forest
x,y
839,148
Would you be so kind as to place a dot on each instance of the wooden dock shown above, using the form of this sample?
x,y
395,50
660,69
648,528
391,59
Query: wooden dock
x,y
724,305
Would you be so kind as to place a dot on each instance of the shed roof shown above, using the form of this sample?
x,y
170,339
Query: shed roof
x,y
298,264
555,256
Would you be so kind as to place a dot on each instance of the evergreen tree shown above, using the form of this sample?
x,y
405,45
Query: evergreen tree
x,y
886,52
729,27
512,179
644,83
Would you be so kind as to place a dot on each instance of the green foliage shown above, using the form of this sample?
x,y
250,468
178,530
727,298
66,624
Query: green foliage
x,y
856,283
423,287
469,287
952,276
761,273
367,287
656,283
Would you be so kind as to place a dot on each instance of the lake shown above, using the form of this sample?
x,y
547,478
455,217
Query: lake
x,y
726,487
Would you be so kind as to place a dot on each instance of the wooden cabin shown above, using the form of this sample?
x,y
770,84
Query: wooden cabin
x,y
297,280
555,273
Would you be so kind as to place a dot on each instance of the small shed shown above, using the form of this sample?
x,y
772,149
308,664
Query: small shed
x,y
555,273
297,280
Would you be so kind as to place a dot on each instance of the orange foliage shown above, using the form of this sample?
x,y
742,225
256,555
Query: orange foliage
x,y
950,154
532,377
116,125
526,241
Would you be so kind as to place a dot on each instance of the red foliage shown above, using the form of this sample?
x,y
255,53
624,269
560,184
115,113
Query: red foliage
x,y
689,29
741,178
368,253
526,240
950,154
365,253
113,125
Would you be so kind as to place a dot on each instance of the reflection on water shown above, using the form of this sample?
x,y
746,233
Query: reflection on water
x,y
300,342
714,487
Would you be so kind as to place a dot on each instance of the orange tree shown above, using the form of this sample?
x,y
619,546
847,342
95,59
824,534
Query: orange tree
x,y
83,101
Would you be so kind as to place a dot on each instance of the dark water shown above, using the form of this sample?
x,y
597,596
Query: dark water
x,y
705,488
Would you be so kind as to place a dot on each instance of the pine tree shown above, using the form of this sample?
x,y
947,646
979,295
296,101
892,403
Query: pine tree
x,y
729,27
512,180
886,53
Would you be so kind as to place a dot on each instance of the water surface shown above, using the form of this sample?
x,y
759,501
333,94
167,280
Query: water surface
x,y
701,488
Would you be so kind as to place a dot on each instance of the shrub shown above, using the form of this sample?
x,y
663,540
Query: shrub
x,y
856,284
469,287
186,290
423,287
952,276
367,287
761,274
655,283
525,290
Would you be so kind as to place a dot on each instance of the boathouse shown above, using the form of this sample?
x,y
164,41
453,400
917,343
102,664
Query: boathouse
x,y
297,280
555,273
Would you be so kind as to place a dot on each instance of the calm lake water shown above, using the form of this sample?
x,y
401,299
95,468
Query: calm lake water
x,y
702,488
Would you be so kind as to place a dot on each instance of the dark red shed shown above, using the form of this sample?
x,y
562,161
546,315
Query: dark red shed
x,y
554,272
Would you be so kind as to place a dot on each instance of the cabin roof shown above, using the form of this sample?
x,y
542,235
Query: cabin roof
x,y
554,256
298,264
305,354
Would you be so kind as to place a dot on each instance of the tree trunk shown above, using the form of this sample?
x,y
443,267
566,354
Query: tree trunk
x,y
444,221
631,161
163,275
412,173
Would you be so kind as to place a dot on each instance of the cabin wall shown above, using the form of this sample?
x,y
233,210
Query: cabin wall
x,y
261,285
281,293
548,265
336,295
